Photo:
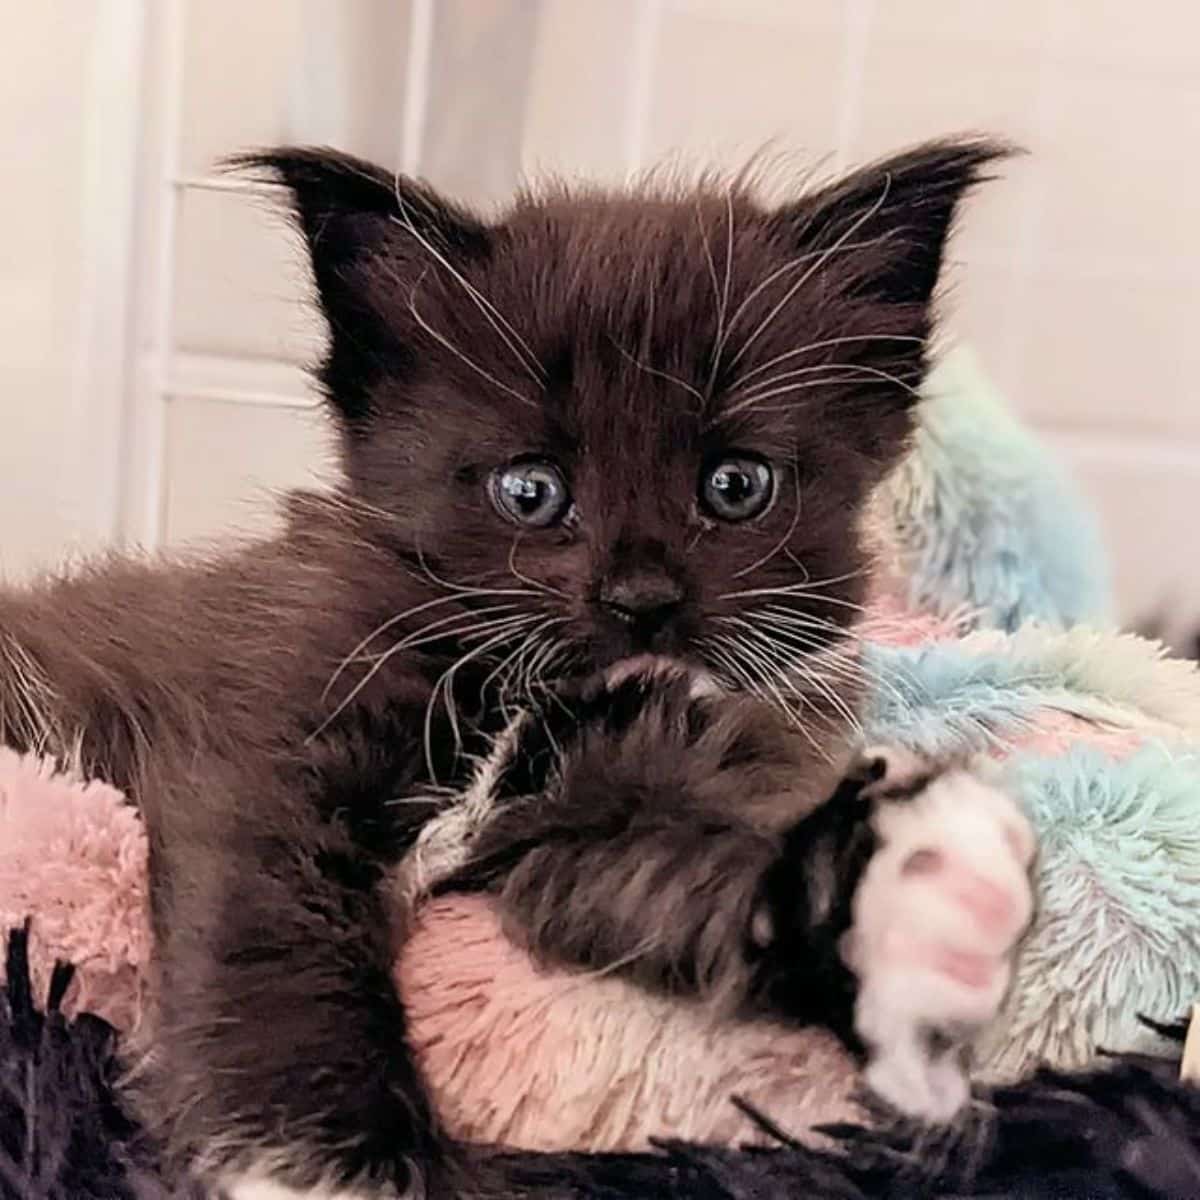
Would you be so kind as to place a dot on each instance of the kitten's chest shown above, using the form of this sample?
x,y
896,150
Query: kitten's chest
x,y
382,767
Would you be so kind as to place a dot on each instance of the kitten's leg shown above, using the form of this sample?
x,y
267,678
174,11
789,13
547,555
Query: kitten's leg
x,y
940,908
279,1059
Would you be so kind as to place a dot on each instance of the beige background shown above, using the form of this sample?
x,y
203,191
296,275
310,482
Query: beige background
x,y
151,332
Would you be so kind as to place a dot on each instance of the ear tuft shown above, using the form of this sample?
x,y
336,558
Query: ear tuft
x,y
889,222
320,180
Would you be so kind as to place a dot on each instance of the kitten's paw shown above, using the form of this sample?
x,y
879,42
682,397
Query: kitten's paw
x,y
937,917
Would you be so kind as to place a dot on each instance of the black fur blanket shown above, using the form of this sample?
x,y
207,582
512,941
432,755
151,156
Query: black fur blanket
x,y
1129,1131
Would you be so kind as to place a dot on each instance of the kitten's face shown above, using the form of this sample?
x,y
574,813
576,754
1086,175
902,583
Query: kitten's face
x,y
630,424
634,493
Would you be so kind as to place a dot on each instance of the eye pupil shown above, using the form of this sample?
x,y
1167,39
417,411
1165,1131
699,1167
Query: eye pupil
x,y
733,485
526,492
531,493
738,488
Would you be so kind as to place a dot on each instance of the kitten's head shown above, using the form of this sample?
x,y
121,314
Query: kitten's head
x,y
629,422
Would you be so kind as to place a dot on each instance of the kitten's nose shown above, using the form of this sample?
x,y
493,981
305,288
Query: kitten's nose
x,y
645,599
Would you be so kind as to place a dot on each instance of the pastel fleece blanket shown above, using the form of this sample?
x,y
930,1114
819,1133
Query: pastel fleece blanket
x,y
989,634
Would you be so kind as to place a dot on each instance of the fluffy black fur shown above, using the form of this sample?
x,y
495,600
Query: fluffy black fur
x,y
1128,1132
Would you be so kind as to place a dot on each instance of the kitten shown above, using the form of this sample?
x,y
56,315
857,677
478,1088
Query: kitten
x,y
599,426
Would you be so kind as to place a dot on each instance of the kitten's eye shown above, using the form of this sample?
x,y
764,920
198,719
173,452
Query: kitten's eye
x,y
531,493
737,487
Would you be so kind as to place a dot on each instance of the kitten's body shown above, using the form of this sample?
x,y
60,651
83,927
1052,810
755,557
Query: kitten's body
x,y
282,715
138,657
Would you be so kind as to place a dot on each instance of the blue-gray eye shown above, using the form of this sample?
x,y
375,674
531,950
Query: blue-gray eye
x,y
737,487
531,493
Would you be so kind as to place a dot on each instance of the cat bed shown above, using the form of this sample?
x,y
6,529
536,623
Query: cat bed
x,y
977,643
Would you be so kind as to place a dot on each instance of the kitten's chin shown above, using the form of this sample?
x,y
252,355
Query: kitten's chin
x,y
663,666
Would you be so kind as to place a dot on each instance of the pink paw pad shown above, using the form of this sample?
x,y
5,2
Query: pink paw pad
x,y
971,970
993,906
937,919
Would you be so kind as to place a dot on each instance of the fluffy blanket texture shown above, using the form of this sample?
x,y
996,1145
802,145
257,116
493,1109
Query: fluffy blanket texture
x,y
977,648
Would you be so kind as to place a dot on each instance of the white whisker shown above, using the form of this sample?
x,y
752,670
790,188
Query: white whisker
x,y
839,243
818,597
727,286
825,344
514,660
445,686
382,628
848,373
792,589
713,653
788,667
765,283
818,634
845,662
538,663
783,541
845,373
660,374
519,348
720,291
536,584
516,622
757,401
470,362
752,663
463,625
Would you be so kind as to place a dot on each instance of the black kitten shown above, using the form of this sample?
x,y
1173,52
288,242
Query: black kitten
x,y
599,426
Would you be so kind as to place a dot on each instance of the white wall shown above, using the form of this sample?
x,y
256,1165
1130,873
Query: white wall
x,y
68,123
1076,280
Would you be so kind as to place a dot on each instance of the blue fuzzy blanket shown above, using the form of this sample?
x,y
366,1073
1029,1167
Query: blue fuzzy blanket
x,y
1099,730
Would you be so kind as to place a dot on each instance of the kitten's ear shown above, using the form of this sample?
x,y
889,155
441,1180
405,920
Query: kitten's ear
x,y
884,227
873,246
369,235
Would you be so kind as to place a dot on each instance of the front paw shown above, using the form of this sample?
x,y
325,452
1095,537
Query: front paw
x,y
936,919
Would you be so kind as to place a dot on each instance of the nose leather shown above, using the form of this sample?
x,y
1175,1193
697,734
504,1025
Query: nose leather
x,y
643,598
